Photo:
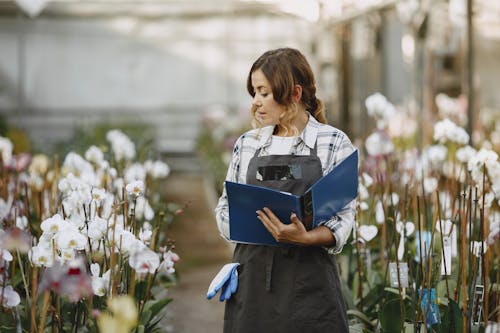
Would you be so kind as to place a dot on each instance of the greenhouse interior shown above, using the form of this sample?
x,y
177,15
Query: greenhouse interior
x,y
122,122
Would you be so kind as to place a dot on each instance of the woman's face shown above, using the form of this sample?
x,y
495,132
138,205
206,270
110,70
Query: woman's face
x,y
267,110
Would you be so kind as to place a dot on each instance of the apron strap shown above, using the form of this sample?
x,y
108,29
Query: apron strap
x,y
269,266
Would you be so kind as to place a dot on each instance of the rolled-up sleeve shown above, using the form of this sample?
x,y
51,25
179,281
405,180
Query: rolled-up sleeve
x,y
341,224
222,208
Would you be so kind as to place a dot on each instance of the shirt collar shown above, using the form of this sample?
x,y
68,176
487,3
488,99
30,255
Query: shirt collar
x,y
308,135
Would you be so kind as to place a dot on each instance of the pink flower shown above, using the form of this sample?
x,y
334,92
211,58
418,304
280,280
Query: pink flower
x,y
69,280
169,259
15,239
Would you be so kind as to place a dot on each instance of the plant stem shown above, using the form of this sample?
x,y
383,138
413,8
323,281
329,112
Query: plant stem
x,y
45,307
34,303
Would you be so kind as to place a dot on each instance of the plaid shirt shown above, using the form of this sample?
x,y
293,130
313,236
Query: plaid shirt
x,y
332,146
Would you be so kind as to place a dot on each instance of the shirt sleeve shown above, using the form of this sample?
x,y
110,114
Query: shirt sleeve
x,y
341,224
222,208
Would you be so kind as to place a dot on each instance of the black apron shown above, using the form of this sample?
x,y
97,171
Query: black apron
x,y
285,289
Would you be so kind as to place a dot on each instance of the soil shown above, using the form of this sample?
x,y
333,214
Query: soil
x,y
203,252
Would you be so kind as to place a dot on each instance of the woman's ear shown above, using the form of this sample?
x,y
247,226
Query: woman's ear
x,y
297,93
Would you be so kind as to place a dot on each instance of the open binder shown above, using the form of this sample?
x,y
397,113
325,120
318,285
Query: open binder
x,y
322,200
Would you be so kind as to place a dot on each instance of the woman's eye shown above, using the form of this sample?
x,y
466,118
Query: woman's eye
x,y
264,94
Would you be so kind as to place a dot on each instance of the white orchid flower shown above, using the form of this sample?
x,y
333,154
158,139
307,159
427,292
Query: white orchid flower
x,y
70,238
98,194
447,131
77,165
436,155
134,172
379,212
379,143
143,209
157,169
145,235
10,297
169,259
135,188
6,148
41,256
53,224
430,185
144,261
67,254
122,147
367,179
95,155
21,222
100,285
97,228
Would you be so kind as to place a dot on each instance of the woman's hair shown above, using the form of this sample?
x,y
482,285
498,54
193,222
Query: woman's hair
x,y
284,68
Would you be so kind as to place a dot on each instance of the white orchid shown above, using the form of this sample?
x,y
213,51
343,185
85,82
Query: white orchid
x,y
39,165
21,222
6,149
379,143
379,212
143,209
430,185
9,298
135,188
98,228
98,194
436,155
169,259
53,224
380,109
67,254
157,169
464,154
95,155
144,261
41,256
145,235
77,165
135,172
100,285
447,131
122,147
367,179
70,238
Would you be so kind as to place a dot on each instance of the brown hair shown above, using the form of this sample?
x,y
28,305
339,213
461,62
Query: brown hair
x,y
284,68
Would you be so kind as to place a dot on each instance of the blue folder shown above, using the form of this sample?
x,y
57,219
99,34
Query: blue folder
x,y
327,196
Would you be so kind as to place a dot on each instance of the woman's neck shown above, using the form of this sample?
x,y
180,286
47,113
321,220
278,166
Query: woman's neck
x,y
300,122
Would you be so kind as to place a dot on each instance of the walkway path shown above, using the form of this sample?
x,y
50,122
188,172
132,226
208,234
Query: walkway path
x,y
202,252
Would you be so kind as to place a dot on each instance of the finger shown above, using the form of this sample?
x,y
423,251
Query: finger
x,y
266,222
273,218
295,220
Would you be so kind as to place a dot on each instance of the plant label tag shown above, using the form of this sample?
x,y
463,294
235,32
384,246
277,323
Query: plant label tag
x,y
403,274
446,256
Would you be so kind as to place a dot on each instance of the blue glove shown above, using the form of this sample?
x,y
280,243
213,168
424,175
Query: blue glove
x,y
229,286
226,281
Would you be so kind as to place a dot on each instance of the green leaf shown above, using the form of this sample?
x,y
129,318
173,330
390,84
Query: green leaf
x,y
155,306
348,297
146,316
452,319
390,317
362,317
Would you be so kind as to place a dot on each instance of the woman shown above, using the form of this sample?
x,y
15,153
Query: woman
x,y
293,288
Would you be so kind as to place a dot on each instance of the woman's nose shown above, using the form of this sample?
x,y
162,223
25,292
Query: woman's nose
x,y
256,101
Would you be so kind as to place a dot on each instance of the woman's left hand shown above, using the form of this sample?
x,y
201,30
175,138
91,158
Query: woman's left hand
x,y
294,232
